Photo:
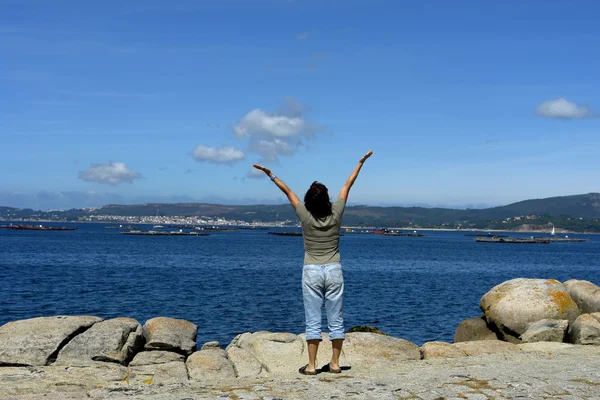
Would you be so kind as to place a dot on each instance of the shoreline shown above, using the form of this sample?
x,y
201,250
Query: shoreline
x,y
561,232
264,365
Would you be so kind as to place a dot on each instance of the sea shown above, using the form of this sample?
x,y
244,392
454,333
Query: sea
x,y
415,288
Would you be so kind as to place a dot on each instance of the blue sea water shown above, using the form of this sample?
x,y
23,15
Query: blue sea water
x,y
416,288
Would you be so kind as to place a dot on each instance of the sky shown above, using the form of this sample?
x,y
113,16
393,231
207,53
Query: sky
x,y
464,103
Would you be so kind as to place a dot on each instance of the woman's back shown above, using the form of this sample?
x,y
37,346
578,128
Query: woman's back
x,y
321,235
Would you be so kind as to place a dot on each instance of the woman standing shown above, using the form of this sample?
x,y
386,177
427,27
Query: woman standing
x,y
322,278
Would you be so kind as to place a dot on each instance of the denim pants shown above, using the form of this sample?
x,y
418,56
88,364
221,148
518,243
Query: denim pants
x,y
323,284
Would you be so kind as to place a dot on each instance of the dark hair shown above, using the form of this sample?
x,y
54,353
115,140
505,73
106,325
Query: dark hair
x,y
317,200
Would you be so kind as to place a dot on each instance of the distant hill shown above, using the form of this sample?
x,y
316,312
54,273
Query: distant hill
x,y
581,205
564,210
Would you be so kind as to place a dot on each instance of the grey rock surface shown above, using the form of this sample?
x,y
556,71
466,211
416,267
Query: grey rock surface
x,y
432,350
211,345
374,350
170,334
483,347
155,357
545,346
209,364
514,304
546,330
113,340
473,329
244,363
35,341
585,330
585,294
157,368
274,351
566,373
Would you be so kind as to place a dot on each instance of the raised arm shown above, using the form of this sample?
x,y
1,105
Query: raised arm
x,y
346,188
294,200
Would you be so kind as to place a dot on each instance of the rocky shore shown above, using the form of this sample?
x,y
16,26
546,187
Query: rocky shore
x,y
535,339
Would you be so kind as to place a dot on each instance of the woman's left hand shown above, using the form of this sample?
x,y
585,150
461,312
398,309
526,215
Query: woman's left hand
x,y
264,169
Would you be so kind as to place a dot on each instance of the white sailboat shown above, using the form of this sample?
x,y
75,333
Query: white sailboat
x,y
552,231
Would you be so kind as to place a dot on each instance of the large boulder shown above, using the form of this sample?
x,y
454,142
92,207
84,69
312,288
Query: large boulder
x,y
473,329
113,340
585,329
36,341
545,330
585,294
158,368
275,352
372,349
513,305
209,364
244,363
483,347
170,334
283,353
431,350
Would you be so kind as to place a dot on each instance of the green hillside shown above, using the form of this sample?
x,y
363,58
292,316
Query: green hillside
x,y
577,213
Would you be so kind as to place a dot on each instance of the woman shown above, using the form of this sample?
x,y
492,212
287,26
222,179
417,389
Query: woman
x,y
322,279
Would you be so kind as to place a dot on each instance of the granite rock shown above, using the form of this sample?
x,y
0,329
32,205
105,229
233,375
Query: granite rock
x,y
483,347
170,334
114,340
209,365
585,329
275,352
158,368
36,341
244,363
545,330
585,294
513,305
473,329
432,350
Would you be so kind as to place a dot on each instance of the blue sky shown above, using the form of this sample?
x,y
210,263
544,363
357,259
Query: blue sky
x,y
463,102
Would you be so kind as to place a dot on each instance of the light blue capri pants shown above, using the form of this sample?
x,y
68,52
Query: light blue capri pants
x,y
323,284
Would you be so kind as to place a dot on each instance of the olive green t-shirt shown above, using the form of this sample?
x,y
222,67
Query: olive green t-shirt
x,y
321,235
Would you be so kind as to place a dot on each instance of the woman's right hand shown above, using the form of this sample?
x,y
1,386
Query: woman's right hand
x,y
264,169
364,158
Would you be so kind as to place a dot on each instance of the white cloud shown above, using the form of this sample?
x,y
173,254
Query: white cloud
x,y
260,123
302,36
562,108
111,173
224,155
271,149
254,173
279,133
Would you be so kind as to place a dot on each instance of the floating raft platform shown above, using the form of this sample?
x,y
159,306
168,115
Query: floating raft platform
x,y
410,234
484,235
285,233
215,229
495,239
565,239
38,228
157,233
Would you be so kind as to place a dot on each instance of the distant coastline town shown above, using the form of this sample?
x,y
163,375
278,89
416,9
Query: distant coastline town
x,y
576,213
153,220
